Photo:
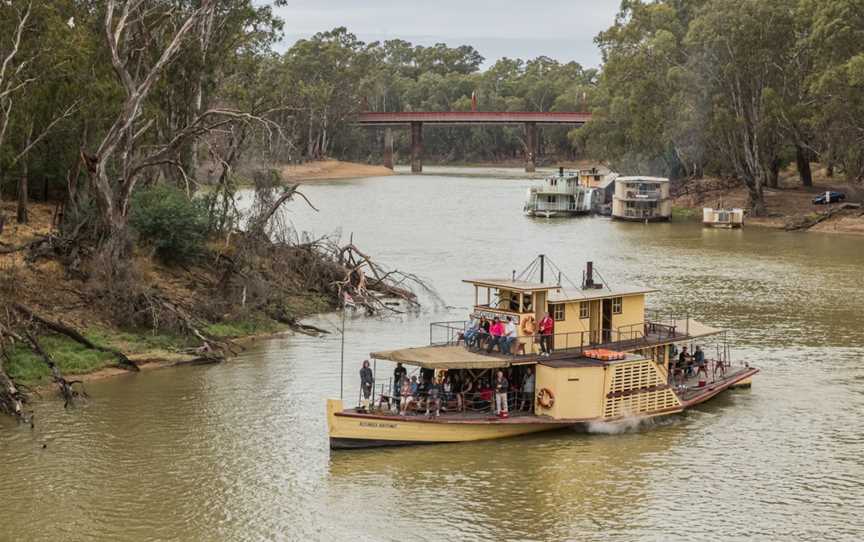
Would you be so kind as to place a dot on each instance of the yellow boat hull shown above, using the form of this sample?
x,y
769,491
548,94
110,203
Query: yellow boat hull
x,y
363,431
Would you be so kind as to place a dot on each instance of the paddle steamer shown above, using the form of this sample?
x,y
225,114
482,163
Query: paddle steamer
x,y
610,361
560,195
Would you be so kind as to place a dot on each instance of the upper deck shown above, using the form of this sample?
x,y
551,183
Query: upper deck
x,y
447,349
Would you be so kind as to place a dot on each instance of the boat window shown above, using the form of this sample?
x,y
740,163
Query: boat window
x,y
583,310
557,311
616,305
550,199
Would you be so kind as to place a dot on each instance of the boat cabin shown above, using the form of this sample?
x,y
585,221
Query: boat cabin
x,y
590,315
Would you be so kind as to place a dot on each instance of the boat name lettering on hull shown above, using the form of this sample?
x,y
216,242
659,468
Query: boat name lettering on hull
x,y
377,424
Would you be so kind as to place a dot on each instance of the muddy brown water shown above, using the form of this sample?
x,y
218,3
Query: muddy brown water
x,y
239,451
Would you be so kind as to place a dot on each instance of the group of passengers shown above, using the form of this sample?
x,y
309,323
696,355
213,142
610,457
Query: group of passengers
x,y
456,390
688,365
488,334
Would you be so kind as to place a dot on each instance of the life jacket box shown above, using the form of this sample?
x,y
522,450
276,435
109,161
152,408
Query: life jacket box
x,y
702,383
604,354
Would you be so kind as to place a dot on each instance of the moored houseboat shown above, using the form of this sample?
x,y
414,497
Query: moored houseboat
x,y
605,359
559,195
642,199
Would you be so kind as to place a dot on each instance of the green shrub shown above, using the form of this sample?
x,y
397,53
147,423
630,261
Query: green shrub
x,y
176,226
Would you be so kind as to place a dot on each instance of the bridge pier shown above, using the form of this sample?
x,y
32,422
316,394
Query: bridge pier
x,y
531,147
388,148
416,147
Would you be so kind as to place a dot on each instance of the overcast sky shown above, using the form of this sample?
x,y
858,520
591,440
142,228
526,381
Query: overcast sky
x,y
560,29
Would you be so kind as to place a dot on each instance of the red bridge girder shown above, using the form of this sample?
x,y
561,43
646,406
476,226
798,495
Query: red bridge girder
x,y
471,117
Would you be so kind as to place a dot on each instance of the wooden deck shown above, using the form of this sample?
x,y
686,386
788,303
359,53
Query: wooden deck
x,y
693,394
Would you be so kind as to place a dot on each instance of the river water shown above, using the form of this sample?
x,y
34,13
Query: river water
x,y
239,451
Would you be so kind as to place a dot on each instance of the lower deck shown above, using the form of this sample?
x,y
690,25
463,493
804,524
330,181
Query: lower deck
x,y
522,407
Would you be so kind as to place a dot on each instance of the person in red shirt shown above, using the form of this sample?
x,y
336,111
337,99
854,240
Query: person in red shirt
x,y
496,335
547,329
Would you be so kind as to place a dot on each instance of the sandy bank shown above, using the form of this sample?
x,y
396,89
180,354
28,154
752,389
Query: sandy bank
x,y
331,169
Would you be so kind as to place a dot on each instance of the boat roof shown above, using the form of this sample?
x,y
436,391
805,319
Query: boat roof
x,y
508,284
643,178
559,294
445,357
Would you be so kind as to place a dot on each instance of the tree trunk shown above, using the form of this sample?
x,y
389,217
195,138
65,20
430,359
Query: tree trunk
x,y
774,174
829,170
803,160
757,201
23,182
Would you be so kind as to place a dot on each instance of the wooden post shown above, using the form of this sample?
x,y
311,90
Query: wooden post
x,y
416,147
531,147
388,147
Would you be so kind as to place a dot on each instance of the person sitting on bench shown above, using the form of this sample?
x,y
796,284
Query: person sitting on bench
x,y
496,336
406,395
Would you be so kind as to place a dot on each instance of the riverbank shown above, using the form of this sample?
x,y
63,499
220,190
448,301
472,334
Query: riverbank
x,y
789,206
325,170
198,291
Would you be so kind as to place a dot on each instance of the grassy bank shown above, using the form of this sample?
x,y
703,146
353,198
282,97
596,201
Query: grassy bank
x,y
142,346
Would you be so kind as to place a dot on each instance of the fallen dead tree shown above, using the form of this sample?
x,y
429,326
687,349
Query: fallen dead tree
x,y
58,327
12,399
269,256
808,221
65,387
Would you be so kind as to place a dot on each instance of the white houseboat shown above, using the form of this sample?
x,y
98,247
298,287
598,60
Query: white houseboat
x,y
642,199
560,195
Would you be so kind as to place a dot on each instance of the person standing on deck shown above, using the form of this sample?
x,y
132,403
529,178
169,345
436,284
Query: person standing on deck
x,y
398,374
509,336
434,400
547,328
367,381
527,390
501,386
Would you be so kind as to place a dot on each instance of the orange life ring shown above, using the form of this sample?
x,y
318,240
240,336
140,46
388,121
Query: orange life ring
x,y
545,398
528,325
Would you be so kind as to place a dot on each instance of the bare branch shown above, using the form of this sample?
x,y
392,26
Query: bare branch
x,y
65,115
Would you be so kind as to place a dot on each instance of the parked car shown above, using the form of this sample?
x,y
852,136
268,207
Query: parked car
x,y
829,197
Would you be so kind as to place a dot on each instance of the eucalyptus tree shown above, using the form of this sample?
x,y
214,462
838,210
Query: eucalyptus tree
x,y
144,38
734,52
637,101
837,81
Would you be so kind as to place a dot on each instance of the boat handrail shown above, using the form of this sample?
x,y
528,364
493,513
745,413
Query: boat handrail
x,y
474,401
628,337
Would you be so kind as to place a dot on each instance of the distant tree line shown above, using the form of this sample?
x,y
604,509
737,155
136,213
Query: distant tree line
x,y
101,97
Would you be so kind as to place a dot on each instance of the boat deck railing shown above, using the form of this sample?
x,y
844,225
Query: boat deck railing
x,y
625,338
475,404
